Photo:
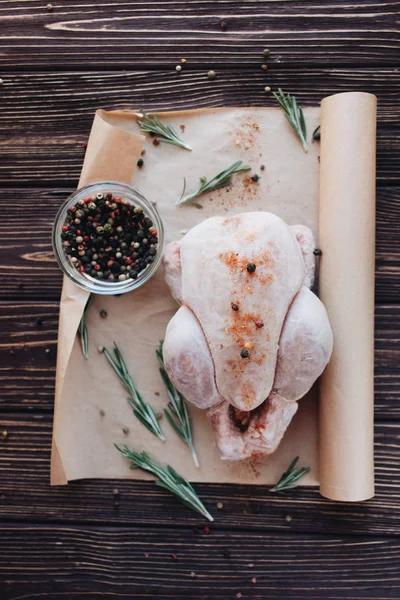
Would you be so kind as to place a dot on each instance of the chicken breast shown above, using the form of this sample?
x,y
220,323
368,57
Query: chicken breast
x,y
217,259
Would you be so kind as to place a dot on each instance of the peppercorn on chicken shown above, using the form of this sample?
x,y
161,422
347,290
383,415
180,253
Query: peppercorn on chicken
x,y
250,338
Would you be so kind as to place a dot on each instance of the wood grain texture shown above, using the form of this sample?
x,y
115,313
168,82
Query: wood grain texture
x,y
57,160
57,67
27,496
113,563
47,118
28,269
53,103
28,342
160,33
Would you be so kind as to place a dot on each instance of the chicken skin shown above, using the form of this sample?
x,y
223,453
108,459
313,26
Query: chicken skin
x,y
250,337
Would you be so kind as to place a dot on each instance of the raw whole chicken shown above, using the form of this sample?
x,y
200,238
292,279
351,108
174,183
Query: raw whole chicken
x,y
250,338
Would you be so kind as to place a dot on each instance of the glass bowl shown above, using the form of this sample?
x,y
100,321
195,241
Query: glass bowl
x,y
86,281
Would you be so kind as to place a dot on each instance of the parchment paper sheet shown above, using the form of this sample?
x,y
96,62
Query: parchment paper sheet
x,y
83,440
347,234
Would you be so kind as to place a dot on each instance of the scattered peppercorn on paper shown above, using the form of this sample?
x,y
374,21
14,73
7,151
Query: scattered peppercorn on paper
x,y
91,410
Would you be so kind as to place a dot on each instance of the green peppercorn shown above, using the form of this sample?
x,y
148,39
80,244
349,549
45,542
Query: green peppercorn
x,y
211,74
266,53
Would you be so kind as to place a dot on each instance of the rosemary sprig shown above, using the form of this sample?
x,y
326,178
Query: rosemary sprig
x,y
294,115
166,133
142,410
219,181
167,478
83,330
289,477
177,412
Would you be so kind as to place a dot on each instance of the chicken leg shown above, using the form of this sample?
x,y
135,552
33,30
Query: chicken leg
x,y
188,360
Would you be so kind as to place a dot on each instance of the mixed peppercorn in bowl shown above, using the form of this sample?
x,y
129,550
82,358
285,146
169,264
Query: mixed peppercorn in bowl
x,y
108,238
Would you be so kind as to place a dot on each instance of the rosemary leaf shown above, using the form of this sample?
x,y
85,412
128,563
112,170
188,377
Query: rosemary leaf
x,y
290,477
294,115
141,409
221,180
167,478
177,412
83,330
166,133
316,135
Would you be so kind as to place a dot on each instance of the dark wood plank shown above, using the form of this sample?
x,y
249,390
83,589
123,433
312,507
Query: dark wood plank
x,y
28,269
28,357
55,161
37,104
84,562
27,496
160,33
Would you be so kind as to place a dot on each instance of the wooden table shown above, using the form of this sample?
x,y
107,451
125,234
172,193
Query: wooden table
x,y
58,64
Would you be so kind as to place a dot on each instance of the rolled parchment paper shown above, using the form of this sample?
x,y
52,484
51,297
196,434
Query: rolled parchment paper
x,y
347,269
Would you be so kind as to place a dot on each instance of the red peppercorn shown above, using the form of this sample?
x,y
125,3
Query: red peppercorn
x,y
64,228
86,238
118,200
90,219
128,260
97,267
81,269
88,201
110,263
259,324
264,67
154,233
206,530
156,142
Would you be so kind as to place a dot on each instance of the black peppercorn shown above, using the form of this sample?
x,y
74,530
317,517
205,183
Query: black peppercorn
x,y
140,162
244,353
251,267
111,235
234,306
255,177
317,252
